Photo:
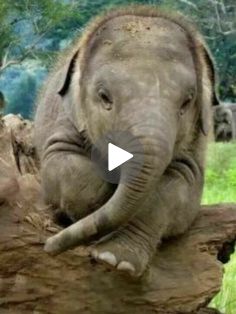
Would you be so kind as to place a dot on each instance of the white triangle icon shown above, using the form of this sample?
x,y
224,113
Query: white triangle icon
x,y
117,156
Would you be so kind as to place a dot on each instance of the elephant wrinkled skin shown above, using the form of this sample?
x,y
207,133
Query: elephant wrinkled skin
x,y
148,72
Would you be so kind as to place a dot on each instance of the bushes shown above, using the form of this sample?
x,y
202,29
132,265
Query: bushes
x,y
220,181
37,30
220,186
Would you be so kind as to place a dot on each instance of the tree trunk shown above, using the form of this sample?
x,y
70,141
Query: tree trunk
x,y
183,277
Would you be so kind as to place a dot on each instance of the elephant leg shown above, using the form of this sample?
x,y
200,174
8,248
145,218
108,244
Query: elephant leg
x,y
130,248
167,211
70,184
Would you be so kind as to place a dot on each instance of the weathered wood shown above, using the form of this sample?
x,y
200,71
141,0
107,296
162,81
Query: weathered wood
x,y
185,273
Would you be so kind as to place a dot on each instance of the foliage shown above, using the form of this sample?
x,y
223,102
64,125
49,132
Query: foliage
x,y
220,182
28,29
37,30
20,85
26,91
225,301
220,186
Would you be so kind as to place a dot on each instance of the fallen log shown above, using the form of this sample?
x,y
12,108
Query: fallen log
x,y
184,276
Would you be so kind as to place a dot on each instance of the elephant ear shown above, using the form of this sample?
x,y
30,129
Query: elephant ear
x,y
67,73
209,94
213,76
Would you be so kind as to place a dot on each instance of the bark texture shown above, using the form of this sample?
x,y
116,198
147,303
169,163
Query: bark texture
x,y
185,273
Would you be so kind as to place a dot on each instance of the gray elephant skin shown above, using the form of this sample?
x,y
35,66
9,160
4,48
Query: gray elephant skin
x,y
139,69
225,122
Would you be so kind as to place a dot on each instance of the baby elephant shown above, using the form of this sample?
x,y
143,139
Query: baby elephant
x,y
225,123
140,70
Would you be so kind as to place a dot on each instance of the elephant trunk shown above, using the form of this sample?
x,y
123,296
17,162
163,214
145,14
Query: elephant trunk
x,y
123,205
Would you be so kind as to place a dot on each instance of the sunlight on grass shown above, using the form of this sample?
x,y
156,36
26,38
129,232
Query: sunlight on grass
x,y
220,186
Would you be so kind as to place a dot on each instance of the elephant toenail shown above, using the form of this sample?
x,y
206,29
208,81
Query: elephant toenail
x,y
94,254
108,258
126,266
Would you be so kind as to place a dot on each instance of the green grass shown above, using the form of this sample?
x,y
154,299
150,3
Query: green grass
x,y
225,300
220,181
220,186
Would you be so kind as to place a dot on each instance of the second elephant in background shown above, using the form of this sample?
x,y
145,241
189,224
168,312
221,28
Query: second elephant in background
x,y
225,122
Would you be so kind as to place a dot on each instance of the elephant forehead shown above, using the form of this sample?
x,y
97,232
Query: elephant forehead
x,y
125,37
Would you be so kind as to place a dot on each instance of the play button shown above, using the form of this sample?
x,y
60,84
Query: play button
x,y
117,156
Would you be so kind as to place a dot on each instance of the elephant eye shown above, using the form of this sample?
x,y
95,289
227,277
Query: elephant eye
x,y
186,103
105,98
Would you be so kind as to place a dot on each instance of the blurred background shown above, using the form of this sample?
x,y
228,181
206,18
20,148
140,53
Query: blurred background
x,y
33,32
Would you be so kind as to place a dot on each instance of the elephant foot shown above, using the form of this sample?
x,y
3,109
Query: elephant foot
x,y
125,252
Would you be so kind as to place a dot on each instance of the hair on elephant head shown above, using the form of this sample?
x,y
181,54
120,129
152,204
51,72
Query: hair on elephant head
x,y
146,71
100,53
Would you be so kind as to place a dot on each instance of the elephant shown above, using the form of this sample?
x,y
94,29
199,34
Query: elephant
x,y
232,107
224,122
140,69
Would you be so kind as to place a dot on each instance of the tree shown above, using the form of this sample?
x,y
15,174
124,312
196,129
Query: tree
x,y
37,30
23,95
27,26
